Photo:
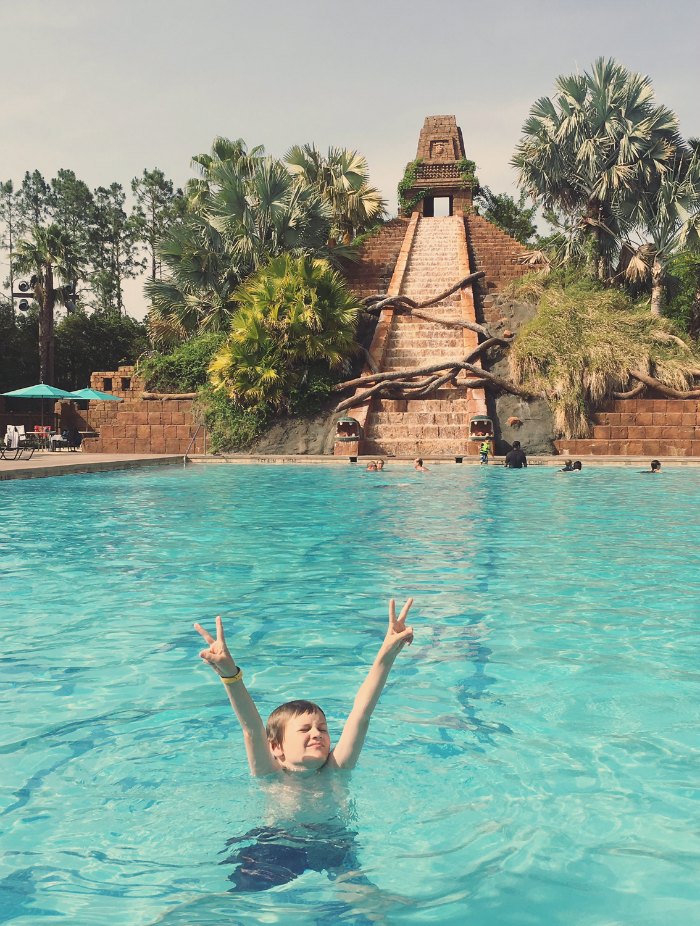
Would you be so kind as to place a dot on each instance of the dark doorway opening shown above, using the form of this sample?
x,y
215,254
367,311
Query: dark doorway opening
x,y
437,206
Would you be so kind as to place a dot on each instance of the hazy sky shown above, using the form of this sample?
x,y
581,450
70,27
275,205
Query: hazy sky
x,y
108,88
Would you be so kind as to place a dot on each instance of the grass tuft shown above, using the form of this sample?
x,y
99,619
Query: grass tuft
x,y
582,344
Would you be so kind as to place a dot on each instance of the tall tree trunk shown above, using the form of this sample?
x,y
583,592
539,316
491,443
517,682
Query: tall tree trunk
x,y
46,339
12,274
658,283
153,238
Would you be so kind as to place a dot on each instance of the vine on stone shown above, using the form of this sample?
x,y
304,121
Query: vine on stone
x,y
406,184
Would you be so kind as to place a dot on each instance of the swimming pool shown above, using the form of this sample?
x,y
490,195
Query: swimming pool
x,y
532,760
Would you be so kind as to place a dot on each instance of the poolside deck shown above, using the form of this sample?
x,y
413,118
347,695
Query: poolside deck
x,y
44,464
63,463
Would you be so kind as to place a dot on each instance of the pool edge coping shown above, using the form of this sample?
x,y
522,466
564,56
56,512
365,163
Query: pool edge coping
x,y
25,470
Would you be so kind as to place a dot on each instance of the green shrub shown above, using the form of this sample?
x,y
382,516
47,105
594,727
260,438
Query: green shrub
x,y
683,289
231,427
294,314
312,392
185,368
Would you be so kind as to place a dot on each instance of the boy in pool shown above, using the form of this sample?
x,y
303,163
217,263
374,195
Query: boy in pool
x,y
296,739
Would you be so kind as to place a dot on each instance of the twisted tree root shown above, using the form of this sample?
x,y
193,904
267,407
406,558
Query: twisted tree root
x,y
663,388
634,391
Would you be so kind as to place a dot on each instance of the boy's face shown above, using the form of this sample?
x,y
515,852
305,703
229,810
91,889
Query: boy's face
x,y
305,743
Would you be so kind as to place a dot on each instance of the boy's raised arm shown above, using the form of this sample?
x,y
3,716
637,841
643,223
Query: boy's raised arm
x,y
260,757
352,738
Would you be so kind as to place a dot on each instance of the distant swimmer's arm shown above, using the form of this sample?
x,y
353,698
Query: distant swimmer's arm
x,y
347,751
260,757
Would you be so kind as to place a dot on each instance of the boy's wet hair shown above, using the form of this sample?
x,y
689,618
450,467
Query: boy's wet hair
x,y
280,717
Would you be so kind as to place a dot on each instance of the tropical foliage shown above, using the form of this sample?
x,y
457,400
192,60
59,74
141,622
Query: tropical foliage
x,y
294,313
342,179
684,291
185,368
515,218
583,343
600,142
408,183
243,210
664,220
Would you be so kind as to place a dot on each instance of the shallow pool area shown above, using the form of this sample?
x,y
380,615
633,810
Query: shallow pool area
x,y
533,759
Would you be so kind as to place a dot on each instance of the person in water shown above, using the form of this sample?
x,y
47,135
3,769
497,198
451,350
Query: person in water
x,y
515,458
567,467
296,739
655,467
419,466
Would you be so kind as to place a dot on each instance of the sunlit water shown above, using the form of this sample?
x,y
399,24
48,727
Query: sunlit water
x,y
534,757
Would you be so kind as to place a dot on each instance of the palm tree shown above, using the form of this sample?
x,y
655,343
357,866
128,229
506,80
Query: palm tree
x,y
602,139
223,151
294,313
47,255
250,211
669,218
195,292
342,179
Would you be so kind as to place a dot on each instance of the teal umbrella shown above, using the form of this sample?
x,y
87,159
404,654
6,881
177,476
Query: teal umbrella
x,y
95,396
40,391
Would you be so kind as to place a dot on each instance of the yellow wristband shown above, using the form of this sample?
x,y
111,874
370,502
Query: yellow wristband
x,y
232,679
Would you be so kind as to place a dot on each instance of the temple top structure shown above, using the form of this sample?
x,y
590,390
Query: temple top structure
x,y
440,140
438,172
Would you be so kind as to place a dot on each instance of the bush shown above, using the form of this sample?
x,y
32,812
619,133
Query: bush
x,y
312,393
296,314
231,427
683,303
184,369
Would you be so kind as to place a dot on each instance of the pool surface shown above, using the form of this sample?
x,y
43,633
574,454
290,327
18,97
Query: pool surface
x,y
533,759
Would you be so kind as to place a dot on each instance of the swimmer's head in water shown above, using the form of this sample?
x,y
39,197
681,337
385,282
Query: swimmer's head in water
x,y
655,466
298,735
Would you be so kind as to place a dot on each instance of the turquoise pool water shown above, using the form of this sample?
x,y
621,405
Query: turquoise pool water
x,y
533,759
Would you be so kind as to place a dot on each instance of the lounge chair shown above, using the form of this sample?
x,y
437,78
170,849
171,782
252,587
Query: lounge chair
x,y
15,443
11,444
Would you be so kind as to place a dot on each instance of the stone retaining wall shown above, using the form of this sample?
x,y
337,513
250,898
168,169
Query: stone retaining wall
x,y
135,425
651,427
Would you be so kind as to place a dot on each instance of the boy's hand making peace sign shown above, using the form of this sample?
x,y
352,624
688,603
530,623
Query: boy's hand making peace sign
x,y
398,634
217,655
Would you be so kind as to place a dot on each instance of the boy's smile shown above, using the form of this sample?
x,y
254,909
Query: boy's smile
x,y
305,744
